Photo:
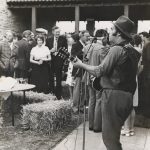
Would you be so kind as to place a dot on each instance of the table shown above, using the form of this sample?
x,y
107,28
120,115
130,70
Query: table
x,y
18,87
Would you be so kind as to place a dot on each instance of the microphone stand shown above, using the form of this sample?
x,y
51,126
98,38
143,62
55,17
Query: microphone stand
x,y
84,109
85,96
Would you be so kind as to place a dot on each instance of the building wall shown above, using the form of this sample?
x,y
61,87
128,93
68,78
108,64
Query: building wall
x,y
17,20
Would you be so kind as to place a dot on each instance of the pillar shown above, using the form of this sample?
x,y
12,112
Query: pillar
x,y
77,18
136,26
33,19
90,26
126,10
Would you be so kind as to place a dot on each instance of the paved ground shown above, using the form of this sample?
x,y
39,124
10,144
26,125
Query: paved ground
x,y
141,140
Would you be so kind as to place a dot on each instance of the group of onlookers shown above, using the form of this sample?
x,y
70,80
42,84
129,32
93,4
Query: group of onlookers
x,y
38,59
35,58
14,54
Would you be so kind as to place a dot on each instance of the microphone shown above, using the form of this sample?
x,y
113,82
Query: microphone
x,y
94,39
85,56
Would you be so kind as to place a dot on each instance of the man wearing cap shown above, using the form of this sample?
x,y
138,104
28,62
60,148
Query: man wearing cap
x,y
43,32
118,81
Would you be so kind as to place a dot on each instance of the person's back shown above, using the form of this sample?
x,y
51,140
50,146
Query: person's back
x,y
95,53
23,55
146,58
98,54
145,75
94,56
23,45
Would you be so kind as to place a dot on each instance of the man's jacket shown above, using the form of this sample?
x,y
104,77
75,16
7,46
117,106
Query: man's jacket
x,y
8,57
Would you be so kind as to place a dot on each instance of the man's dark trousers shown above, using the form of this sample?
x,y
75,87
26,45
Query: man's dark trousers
x,y
116,106
56,70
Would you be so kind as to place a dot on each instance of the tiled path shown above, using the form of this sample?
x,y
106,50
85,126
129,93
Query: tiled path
x,y
141,140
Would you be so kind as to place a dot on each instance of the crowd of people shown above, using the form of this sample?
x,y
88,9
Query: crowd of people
x,y
109,64
35,58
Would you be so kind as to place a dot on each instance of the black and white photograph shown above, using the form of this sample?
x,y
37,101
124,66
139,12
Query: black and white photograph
x,y
74,74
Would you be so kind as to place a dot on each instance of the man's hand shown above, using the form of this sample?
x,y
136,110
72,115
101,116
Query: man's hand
x,y
77,63
40,62
53,50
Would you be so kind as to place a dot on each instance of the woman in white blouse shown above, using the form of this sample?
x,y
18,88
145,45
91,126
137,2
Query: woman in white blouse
x,y
40,57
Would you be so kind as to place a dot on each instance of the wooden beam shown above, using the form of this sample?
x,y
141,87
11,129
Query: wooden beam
x,y
126,10
135,26
73,5
90,26
77,18
33,19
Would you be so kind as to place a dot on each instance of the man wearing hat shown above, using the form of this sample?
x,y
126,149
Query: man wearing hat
x,y
118,81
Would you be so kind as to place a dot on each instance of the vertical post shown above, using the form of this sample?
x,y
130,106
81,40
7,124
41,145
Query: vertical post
x,y
136,26
126,10
77,18
24,97
12,108
90,26
33,19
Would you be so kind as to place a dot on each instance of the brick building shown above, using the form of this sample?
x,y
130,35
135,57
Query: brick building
x,y
20,15
18,20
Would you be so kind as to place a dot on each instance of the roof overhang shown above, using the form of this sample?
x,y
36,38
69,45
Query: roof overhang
x,y
72,3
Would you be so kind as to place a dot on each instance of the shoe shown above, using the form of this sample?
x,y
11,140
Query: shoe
x,y
81,111
97,131
91,129
132,132
122,132
127,133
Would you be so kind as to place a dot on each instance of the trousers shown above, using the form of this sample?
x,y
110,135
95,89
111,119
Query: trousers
x,y
116,106
94,112
76,92
56,76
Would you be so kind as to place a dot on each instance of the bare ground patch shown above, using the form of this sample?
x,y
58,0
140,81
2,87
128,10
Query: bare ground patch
x,y
14,138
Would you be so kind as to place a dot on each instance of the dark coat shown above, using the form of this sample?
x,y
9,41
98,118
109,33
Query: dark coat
x,y
62,42
146,59
23,54
77,51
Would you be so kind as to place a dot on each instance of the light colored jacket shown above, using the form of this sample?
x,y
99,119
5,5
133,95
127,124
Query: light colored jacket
x,y
8,57
95,55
